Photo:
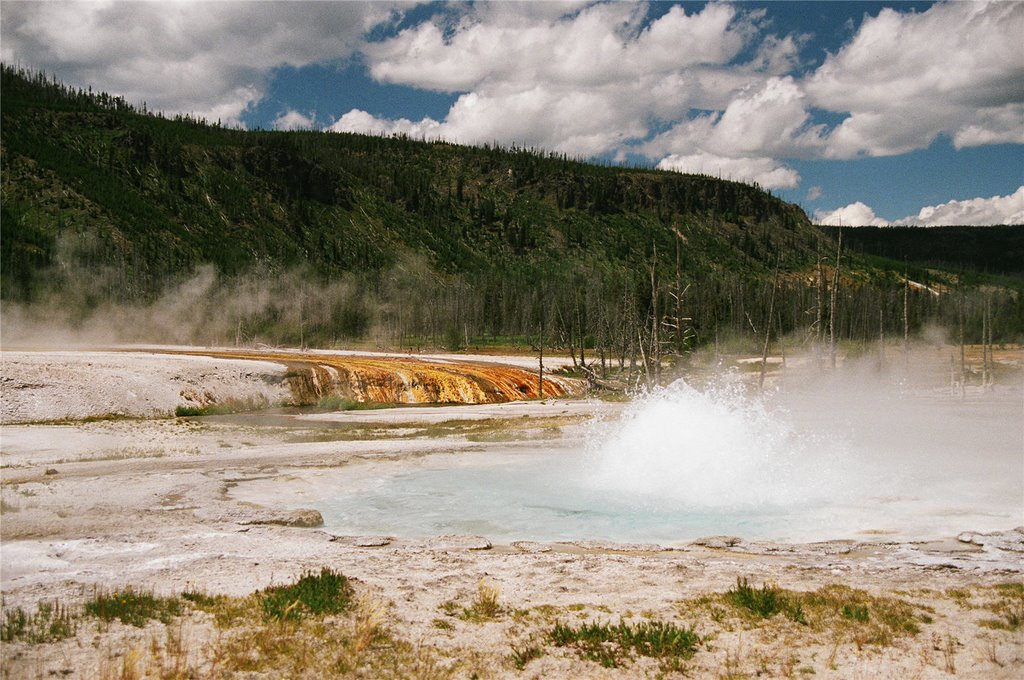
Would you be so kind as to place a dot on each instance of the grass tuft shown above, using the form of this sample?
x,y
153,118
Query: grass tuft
x,y
51,622
328,592
525,654
487,605
609,645
132,607
765,602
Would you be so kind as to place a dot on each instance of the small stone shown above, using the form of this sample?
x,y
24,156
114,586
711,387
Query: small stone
x,y
459,542
718,542
304,518
50,471
531,547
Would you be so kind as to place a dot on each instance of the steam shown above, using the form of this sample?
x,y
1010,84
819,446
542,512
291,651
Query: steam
x,y
97,307
716,448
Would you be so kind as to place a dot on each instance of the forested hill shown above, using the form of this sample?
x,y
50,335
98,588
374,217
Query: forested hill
x,y
997,249
103,202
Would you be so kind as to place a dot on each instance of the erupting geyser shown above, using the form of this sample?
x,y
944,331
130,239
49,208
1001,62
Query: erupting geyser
x,y
840,457
714,449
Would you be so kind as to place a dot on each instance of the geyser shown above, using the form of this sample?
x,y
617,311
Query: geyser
x,y
716,448
827,460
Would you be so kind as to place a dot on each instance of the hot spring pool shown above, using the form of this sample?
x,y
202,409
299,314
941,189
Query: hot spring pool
x,y
684,463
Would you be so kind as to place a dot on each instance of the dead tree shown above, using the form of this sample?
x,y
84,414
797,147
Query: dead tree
x,y
834,302
768,326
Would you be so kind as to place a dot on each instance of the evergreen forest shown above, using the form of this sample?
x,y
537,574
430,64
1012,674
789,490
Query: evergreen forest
x,y
173,229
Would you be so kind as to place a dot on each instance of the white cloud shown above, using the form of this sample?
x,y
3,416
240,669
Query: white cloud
x,y
906,77
365,123
599,45
814,193
212,59
293,120
767,172
1003,125
854,215
596,81
1007,209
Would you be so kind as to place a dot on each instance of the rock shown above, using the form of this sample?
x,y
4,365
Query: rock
x,y
719,542
304,518
610,546
531,547
459,542
1012,540
362,541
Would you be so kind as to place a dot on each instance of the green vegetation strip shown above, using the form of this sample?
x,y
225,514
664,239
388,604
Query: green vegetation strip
x,y
609,644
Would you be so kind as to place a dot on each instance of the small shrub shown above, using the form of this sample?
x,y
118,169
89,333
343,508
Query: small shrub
x,y
132,607
313,594
51,622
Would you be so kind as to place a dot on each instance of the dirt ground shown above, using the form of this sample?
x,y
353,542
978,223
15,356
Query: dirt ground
x,y
161,505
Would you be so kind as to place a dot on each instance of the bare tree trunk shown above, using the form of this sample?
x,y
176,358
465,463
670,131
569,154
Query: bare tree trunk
x,y
984,346
963,365
991,356
881,339
834,301
655,320
679,303
540,361
906,317
768,328
643,358
819,322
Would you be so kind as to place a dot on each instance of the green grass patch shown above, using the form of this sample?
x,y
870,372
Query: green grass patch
x,y
765,602
328,592
612,644
51,622
847,613
1006,601
132,607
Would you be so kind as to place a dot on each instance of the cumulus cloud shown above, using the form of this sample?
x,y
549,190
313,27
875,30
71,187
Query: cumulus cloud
x,y
294,120
767,172
814,193
906,77
365,123
597,81
599,45
1007,209
854,215
212,59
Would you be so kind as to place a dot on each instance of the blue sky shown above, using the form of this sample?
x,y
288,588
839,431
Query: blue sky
x,y
861,112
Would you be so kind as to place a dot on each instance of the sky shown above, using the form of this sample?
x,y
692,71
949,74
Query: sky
x,y
863,113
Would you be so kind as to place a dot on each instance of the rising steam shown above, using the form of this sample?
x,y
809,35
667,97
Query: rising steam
x,y
716,448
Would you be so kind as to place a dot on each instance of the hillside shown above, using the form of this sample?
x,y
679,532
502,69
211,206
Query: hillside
x,y
323,237
997,249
